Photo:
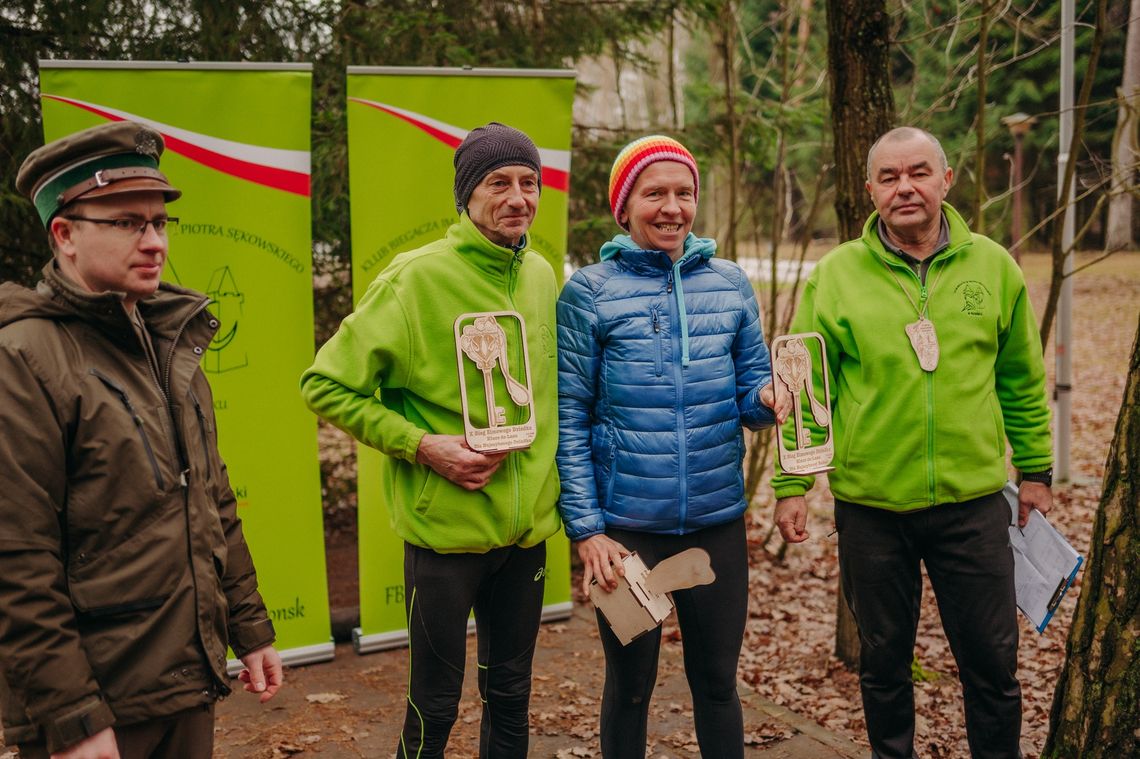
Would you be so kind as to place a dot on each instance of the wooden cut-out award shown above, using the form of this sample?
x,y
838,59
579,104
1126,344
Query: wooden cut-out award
x,y
792,364
482,340
641,601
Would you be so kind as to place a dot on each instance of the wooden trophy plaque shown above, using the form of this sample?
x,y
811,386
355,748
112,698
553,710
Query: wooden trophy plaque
x,y
481,340
793,366
641,601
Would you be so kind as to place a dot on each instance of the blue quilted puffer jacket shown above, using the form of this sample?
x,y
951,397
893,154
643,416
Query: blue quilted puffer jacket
x,y
659,364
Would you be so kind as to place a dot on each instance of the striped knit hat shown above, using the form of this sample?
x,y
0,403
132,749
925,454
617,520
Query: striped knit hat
x,y
635,157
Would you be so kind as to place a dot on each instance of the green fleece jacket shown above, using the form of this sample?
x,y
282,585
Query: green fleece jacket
x,y
400,341
905,438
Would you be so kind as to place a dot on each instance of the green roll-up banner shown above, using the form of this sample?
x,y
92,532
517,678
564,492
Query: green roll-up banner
x,y
237,145
403,127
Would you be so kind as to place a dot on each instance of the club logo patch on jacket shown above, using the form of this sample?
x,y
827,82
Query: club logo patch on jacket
x,y
973,294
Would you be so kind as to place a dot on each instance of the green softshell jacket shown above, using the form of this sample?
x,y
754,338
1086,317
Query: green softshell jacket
x,y
123,569
905,438
390,375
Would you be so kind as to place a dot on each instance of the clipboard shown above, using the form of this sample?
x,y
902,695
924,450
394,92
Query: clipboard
x,y
1044,564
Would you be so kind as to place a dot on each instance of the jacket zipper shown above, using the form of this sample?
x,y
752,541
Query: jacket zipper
x,y
928,381
679,412
659,359
923,294
516,474
220,685
164,388
119,391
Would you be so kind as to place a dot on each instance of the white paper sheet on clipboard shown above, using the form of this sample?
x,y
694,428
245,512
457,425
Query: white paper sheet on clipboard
x,y
1044,564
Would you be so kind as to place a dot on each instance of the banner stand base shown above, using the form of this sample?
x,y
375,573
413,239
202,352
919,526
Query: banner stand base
x,y
292,657
370,644
555,612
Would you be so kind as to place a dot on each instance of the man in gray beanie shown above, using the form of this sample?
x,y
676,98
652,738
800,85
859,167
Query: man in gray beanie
x,y
486,149
469,473
488,162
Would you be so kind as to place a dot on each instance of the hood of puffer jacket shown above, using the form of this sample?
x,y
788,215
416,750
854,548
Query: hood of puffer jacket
x,y
704,247
696,248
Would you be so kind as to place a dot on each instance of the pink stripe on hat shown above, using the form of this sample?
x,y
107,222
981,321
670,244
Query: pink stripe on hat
x,y
635,157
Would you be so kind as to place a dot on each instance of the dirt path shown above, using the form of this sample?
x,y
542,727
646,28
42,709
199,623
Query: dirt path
x,y
353,707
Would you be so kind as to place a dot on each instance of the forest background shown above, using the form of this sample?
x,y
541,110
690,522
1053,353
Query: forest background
x,y
747,85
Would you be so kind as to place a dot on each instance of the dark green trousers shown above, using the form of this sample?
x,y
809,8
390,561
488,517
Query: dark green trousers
x,y
188,734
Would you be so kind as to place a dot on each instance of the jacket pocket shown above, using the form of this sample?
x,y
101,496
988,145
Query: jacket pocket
x,y
604,452
611,481
128,607
851,431
118,390
137,574
741,452
428,491
658,347
203,435
999,425
220,553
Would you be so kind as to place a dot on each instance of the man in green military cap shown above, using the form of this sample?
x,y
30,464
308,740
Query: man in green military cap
x,y
124,573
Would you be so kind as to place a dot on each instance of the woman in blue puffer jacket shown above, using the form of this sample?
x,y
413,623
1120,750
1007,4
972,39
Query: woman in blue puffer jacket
x,y
661,360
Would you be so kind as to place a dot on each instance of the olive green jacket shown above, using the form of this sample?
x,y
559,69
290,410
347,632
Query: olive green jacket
x,y
123,570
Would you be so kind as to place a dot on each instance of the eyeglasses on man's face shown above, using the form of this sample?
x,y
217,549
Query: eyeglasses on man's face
x,y
130,227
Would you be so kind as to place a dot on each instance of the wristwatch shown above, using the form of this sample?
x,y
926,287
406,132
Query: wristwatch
x,y
1045,477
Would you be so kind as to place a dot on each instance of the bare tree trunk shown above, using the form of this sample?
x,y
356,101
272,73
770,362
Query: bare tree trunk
x,y
778,205
862,103
672,52
803,35
805,243
847,645
1096,706
980,126
776,232
616,56
728,60
862,109
1125,152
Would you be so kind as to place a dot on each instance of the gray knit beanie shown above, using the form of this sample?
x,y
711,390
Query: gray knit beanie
x,y
487,148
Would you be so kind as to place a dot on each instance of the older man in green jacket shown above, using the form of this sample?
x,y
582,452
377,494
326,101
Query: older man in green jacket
x,y
935,362
474,520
